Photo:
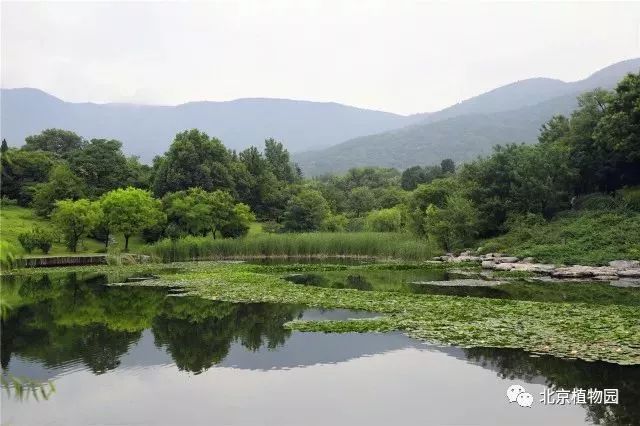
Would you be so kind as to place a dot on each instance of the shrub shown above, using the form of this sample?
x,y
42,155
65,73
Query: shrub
x,y
630,197
39,238
335,223
596,201
27,241
384,220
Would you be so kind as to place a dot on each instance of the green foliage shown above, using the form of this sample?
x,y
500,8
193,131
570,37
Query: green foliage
x,y
335,223
630,197
361,200
40,238
454,225
63,184
22,170
585,237
75,219
384,220
57,141
193,160
377,244
434,193
129,211
306,211
101,165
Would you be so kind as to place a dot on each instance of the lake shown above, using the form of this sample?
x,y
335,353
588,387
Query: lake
x,y
145,355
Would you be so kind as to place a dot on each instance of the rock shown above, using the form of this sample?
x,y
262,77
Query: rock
x,y
504,266
629,273
625,264
606,278
528,260
625,283
579,271
460,283
466,258
508,259
488,264
541,268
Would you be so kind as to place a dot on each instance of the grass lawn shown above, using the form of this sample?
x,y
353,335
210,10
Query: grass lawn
x,y
15,220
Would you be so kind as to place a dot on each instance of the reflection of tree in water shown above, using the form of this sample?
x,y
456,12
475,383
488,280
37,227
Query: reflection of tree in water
x,y
567,374
63,318
198,333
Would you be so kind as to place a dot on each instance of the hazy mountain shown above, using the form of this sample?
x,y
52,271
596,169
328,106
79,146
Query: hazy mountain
x,y
148,130
511,113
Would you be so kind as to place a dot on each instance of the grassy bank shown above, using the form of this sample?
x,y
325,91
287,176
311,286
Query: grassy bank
x,y
375,244
587,237
15,220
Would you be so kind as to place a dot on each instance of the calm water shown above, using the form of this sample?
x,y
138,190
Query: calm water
x,y
130,355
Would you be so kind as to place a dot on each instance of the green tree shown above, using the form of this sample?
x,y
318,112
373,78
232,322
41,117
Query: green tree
x,y
618,133
277,157
129,211
58,141
22,171
101,164
62,184
239,222
455,225
361,200
75,219
306,211
435,193
448,166
193,160
4,147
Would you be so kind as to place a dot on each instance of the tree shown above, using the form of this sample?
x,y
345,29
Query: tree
x,y
63,184
277,157
75,219
129,210
193,160
448,166
618,133
435,193
305,211
455,225
361,200
239,222
22,171
4,147
101,164
58,141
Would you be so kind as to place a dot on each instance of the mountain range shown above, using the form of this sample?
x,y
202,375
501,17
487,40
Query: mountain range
x,y
323,136
511,113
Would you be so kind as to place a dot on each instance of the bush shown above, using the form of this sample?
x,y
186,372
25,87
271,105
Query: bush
x,y
39,238
630,197
385,220
27,241
335,223
596,201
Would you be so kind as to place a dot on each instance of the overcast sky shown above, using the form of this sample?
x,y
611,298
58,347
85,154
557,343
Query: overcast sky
x,y
398,56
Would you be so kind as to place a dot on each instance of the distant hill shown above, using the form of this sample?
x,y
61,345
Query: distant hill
x,y
148,130
511,113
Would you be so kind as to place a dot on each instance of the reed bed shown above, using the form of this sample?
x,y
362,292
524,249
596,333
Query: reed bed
x,y
320,244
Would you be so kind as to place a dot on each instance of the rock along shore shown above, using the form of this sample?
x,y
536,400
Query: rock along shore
x,y
616,269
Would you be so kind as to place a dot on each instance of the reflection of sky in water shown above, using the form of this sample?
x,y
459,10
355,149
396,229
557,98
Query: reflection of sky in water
x,y
346,379
205,362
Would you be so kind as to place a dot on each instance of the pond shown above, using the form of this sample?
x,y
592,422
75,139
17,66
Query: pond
x,y
146,355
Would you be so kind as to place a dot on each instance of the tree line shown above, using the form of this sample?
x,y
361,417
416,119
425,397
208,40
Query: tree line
x,y
200,187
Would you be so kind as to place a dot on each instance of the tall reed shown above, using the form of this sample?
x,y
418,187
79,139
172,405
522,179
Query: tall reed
x,y
371,244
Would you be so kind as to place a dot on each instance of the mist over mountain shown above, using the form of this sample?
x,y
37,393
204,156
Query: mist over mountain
x,y
324,137
511,113
147,130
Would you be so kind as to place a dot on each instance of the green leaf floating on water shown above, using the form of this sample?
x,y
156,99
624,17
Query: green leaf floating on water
x,y
606,332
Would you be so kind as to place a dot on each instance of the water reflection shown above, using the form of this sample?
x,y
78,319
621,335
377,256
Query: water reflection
x,y
57,326
439,282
